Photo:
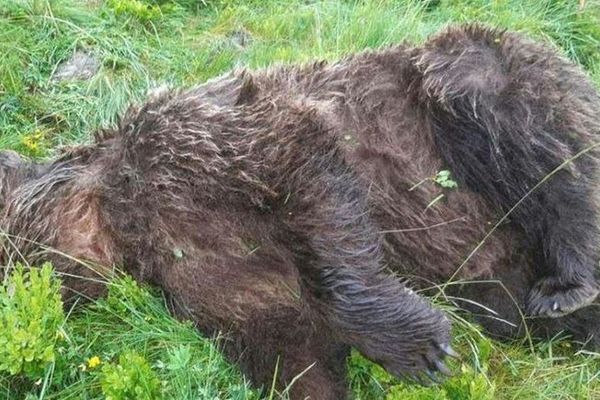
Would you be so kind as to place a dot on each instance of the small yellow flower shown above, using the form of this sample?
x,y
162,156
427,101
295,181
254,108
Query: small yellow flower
x,y
34,142
94,362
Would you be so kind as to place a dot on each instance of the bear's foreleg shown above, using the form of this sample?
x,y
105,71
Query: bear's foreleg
x,y
338,254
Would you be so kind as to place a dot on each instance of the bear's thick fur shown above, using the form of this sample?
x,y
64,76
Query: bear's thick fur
x,y
263,203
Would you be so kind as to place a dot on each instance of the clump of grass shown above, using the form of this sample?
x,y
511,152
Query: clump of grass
x,y
140,10
191,366
126,346
492,370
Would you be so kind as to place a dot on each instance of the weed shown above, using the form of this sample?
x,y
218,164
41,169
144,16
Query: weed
x,y
130,379
31,317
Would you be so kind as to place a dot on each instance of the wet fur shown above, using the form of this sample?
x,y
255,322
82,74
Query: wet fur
x,y
501,113
505,127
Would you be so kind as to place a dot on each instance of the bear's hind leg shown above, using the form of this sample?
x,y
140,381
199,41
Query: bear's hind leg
x,y
518,124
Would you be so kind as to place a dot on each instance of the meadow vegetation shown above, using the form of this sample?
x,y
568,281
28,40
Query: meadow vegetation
x,y
126,346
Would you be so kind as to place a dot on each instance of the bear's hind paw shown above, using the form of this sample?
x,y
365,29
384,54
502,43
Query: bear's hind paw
x,y
550,298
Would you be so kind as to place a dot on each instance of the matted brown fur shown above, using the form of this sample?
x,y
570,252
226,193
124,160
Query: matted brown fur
x,y
265,204
503,114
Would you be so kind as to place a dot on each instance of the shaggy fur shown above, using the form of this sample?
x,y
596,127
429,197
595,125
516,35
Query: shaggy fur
x,y
262,203
502,129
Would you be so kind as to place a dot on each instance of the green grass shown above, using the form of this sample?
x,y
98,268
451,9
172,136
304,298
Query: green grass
x,y
186,42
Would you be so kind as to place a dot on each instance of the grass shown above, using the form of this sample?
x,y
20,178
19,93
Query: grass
x,y
145,43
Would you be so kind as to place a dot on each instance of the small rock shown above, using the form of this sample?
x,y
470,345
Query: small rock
x,y
240,38
80,66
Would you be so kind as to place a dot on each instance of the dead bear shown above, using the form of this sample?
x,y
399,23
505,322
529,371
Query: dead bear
x,y
264,201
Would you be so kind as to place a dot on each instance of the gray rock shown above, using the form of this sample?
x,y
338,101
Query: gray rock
x,y
80,66
240,38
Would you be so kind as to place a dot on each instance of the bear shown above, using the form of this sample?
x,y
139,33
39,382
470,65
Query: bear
x,y
267,203
517,126
249,219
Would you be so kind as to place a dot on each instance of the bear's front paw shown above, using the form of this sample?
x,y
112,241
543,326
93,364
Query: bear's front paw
x,y
551,298
421,358
426,367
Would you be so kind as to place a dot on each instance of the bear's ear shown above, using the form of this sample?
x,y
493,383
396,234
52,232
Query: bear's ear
x,y
11,166
10,159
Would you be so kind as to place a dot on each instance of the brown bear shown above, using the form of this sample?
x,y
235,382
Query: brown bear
x,y
263,203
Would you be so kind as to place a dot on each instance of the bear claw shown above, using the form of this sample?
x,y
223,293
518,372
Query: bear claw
x,y
549,298
449,351
440,366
